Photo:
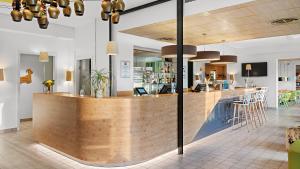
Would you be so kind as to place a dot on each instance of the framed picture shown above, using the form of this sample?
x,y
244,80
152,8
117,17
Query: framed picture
x,y
125,69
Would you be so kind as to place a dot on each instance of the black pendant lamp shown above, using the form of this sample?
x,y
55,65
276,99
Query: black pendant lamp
x,y
170,51
225,59
206,56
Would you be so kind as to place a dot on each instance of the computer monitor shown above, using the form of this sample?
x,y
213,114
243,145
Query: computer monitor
x,y
166,89
199,88
141,91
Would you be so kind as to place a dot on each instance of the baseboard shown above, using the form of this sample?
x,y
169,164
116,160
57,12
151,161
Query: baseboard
x,y
26,119
8,130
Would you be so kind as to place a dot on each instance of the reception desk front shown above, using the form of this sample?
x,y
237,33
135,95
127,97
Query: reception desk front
x,y
119,131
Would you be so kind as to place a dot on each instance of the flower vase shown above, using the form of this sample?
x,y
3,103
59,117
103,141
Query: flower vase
x,y
98,94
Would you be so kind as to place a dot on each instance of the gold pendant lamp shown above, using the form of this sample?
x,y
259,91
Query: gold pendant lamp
x,y
67,11
113,9
29,9
43,20
79,7
16,14
53,10
63,3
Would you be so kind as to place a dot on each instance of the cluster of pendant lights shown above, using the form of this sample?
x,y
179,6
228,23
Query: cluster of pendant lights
x,y
190,51
112,9
29,9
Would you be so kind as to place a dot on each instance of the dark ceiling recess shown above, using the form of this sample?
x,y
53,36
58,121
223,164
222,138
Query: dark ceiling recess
x,y
283,21
187,1
144,6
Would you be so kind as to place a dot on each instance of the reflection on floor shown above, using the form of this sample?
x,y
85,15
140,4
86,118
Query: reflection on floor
x,y
262,148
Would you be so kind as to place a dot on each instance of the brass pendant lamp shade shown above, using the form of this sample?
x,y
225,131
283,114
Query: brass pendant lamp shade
x,y
106,6
113,9
36,8
48,1
16,14
1,74
44,57
104,16
170,51
206,56
29,9
27,14
53,10
79,7
63,3
226,59
112,48
67,11
31,2
115,17
43,20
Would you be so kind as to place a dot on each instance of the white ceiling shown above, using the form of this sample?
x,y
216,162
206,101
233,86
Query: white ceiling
x,y
92,11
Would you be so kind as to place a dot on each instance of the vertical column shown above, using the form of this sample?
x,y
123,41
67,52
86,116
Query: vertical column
x,y
110,60
180,76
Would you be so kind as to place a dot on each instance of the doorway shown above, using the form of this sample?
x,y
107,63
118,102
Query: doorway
x,y
38,72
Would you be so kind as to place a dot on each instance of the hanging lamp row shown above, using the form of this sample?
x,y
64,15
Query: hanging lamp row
x,y
29,9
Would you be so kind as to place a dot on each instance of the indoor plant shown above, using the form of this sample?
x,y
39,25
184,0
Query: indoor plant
x,y
48,84
99,82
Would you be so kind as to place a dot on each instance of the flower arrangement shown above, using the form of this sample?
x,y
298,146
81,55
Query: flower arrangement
x,y
49,84
99,82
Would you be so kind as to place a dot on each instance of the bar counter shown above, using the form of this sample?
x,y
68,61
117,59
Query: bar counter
x,y
119,131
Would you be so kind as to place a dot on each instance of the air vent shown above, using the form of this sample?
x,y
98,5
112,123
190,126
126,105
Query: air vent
x,y
187,1
166,39
284,21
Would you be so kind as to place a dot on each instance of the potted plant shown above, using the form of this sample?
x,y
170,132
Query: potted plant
x,y
48,84
99,82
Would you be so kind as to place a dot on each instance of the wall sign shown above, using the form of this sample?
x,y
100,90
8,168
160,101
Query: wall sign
x,y
125,69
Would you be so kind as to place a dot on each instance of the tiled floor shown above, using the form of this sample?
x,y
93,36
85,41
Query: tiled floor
x,y
262,148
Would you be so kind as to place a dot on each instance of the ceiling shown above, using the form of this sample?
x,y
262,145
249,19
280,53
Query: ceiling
x,y
235,23
92,11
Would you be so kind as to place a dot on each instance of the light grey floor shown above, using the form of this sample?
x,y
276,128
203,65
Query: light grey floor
x,y
261,148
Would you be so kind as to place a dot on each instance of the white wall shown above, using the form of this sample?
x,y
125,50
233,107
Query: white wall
x,y
91,44
287,69
26,90
14,42
265,50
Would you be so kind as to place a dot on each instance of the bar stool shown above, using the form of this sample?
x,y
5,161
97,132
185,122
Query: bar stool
x,y
253,108
261,101
244,104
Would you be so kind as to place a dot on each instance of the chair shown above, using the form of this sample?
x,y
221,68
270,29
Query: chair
x,y
260,103
244,105
293,147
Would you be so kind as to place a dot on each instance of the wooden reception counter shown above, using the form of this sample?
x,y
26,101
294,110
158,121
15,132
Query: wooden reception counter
x,y
119,130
